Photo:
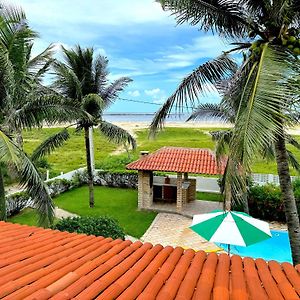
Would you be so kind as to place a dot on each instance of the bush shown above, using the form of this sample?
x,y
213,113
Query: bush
x,y
98,226
265,201
114,163
16,202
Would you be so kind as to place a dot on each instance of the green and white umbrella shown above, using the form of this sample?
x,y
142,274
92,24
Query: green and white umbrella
x,y
231,227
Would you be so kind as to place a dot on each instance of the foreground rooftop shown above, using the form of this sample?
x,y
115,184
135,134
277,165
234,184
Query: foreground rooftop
x,y
38,263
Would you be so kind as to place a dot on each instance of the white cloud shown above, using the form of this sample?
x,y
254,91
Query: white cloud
x,y
135,93
173,59
153,92
108,12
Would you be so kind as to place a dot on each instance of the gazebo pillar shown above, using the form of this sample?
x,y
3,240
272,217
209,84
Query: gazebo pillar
x,y
145,189
179,200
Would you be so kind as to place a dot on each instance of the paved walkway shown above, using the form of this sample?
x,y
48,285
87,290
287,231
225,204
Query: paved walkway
x,y
60,213
172,229
190,209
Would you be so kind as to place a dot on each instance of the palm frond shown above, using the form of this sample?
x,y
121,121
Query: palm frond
x,y
222,139
292,141
117,134
50,144
101,72
46,109
66,81
234,183
293,161
30,179
110,94
198,82
6,79
210,111
40,64
262,104
227,18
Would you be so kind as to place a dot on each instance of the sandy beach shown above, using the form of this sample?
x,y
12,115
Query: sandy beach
x,y
134,126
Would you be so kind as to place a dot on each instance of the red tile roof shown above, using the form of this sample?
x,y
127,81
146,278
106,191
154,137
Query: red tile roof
x,y
176,159
38,263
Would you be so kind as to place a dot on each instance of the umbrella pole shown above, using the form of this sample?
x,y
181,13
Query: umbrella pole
x,y
228,249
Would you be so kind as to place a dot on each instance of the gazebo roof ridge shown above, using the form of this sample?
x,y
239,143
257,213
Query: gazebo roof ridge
x,y
181,160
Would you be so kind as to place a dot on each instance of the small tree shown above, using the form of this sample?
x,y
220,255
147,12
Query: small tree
x,y
83,78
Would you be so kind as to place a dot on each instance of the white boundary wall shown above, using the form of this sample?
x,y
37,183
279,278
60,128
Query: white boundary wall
x,y
204,184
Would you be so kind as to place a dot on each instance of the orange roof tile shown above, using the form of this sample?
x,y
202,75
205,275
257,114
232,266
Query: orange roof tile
x,y
176,159
48,264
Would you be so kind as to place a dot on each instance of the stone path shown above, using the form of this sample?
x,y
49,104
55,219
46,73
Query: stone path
x,y
190,209
60,213
172,229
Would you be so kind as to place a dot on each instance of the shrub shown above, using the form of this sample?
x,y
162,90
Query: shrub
x,y
98,226
16,202
265,201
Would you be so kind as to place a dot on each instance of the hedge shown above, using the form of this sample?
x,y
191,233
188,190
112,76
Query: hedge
x,y
98,226
265,201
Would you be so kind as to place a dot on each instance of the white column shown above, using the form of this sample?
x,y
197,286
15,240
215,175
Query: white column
x,y
91,137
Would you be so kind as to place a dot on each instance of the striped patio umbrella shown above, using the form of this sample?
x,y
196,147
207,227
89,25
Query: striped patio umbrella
x,y
231,228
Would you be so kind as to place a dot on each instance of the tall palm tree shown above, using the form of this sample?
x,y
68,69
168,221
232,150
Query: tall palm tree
x,y
25,103
84,79
265,85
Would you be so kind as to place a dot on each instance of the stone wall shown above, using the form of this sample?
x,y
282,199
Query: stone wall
x,y
122,180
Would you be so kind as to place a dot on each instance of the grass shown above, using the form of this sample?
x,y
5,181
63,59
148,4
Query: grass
x,y
27,216
209,196
120,204
72,155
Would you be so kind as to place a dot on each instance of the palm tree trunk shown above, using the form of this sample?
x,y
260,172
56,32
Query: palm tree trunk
x,y
89,167
3,215
288,198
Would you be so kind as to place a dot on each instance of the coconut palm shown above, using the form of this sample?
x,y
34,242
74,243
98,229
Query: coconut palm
x,y
25,103
265,85
83,77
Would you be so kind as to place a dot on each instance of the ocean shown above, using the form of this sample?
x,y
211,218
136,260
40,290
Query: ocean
x,y
141,117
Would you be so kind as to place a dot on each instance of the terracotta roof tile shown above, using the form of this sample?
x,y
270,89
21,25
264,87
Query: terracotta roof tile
x,y
184,160
74,266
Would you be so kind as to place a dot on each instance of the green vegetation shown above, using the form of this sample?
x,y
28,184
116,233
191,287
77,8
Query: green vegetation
x,y
27,216
209,196
72,155
120,204
98,226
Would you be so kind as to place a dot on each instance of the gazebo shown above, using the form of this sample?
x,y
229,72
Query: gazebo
x,y
180,189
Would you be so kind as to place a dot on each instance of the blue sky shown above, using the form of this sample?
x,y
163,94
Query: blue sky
x,y
139,38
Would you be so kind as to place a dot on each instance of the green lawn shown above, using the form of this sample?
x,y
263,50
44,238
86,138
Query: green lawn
x,y
209,196
120,204
72,155
26,216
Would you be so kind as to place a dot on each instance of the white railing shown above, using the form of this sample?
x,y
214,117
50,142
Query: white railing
x,y
262,179
203,184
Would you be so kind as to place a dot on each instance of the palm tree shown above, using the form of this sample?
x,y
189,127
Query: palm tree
x,y
84,79
265,85
25,103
